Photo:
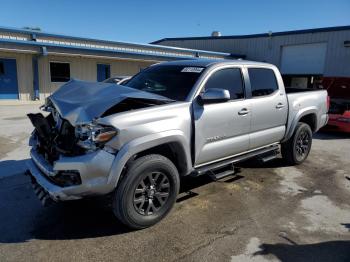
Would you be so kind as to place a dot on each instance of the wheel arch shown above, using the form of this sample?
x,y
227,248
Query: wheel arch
x,y
310,119
308,116
173,150
171,144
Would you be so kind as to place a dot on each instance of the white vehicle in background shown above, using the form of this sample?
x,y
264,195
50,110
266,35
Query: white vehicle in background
x,y
119,80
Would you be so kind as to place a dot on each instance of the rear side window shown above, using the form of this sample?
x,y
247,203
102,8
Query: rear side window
x,y
263,81
229,79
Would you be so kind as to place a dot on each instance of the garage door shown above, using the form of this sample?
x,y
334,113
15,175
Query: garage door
x,y
303,59
8,79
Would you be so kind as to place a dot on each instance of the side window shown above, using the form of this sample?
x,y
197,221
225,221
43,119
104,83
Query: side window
x,y
263,81
230,79
60,72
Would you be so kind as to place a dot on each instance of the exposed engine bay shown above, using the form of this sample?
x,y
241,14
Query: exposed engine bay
x,y
54,138
71,129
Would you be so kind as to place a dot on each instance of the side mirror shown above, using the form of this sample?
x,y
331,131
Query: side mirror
x,y
214,95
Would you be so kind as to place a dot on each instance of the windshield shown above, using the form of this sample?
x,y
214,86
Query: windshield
x,y
174,82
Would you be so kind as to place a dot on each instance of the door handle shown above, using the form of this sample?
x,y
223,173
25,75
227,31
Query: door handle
x,y
279,105
244,111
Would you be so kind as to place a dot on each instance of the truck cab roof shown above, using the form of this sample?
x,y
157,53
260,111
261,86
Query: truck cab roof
x,y
211,62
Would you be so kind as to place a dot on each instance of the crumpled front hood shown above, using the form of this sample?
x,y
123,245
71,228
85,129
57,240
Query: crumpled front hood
x,y
80,102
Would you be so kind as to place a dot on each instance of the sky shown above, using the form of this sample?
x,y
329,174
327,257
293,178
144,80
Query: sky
x,y
146,21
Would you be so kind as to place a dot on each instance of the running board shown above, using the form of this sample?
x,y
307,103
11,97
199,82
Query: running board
x,y
269,153
222,172
269,156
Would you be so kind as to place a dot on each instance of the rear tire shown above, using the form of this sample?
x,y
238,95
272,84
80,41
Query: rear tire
x,y
147,192
297,148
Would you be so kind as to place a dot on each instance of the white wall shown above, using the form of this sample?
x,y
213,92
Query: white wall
x,y
82,69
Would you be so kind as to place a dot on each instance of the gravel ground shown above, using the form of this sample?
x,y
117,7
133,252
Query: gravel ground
x,y
267,212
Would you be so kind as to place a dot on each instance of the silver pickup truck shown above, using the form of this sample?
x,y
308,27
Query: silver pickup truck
x,y
194,117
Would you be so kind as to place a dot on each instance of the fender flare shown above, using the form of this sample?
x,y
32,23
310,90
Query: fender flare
x,y
147,142
296,119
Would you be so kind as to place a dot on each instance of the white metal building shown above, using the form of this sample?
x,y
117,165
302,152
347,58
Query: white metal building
x,y
33,64
303,56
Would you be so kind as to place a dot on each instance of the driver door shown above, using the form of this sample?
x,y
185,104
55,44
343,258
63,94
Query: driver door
x,y
222,129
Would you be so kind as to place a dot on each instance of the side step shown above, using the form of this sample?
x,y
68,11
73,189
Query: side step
x,y
222,172
269,156
266,154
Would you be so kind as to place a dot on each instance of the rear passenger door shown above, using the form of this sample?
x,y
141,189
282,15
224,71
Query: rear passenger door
x,y
222,129
269,107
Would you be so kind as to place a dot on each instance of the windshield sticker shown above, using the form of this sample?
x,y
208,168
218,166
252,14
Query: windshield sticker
x,y
192,69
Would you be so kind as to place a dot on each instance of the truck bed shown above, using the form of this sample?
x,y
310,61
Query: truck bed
x,y
290,90
302,102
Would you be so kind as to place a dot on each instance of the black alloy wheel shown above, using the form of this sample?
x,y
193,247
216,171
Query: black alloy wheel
x,y
297,148
302,146
151,193
147,192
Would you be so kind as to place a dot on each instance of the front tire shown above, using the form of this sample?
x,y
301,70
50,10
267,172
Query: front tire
x,y
297,148
147,192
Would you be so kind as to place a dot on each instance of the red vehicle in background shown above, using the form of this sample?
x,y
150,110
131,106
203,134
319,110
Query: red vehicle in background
x,y
339,111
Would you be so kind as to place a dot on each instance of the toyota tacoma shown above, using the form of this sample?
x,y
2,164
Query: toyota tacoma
x,y
173,119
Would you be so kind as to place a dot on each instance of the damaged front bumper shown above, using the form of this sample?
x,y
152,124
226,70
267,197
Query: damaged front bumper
x,y
93,170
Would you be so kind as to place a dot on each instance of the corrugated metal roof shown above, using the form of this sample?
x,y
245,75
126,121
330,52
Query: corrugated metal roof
x,y
294,32
38,38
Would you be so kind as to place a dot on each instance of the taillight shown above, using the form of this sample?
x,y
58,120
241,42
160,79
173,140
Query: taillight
x,y
328,103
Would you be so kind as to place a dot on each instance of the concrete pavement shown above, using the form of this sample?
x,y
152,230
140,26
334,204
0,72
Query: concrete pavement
x,y
267,212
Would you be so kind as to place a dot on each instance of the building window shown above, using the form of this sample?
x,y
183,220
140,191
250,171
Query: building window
x,y
2,68
60,72
262,81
